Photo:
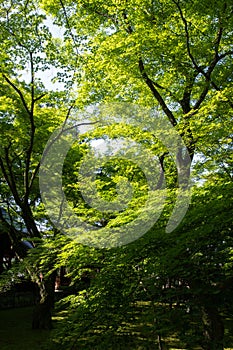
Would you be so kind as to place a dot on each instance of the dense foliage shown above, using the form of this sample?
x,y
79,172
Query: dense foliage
x,y
172,57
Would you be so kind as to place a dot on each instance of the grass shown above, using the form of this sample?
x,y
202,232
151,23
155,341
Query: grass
x,y
16,332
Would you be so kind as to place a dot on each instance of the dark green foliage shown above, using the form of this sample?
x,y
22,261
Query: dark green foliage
x,y
161,286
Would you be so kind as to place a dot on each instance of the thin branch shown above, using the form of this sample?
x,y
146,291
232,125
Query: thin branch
x,y
150,83
223,55
32,133
202,96
19,92
32,83
68,113
212,65
35,172
77,125
69,27
9,177
39,97
156,94
187,37
165,89
63,130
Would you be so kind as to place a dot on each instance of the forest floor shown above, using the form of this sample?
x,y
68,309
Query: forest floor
x,y
16,332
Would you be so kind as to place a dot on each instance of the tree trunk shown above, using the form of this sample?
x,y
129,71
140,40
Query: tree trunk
x,y
29,220
1,262
213,328
42,313
160,343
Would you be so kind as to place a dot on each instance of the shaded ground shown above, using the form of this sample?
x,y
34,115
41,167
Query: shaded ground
x,y
16,332
137,332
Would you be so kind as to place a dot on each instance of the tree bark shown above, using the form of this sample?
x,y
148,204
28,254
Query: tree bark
x,y
42,313
160,343
213,328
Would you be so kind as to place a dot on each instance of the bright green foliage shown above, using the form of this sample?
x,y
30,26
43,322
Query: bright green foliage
x,y
28,111
108,177
157,286
174,56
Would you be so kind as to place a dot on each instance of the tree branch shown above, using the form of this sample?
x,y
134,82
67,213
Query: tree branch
x,y
150,83
165,89
156,94
212,65
69,27
185,101
9,176
39,97
19,92
32,133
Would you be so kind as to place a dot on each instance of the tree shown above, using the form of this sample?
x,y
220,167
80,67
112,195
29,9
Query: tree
x,y
28,114
182,281
170,56
175,56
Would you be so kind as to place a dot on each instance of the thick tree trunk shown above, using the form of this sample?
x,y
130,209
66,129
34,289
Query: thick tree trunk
x,y
42,313
29,220
42,318
213,328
